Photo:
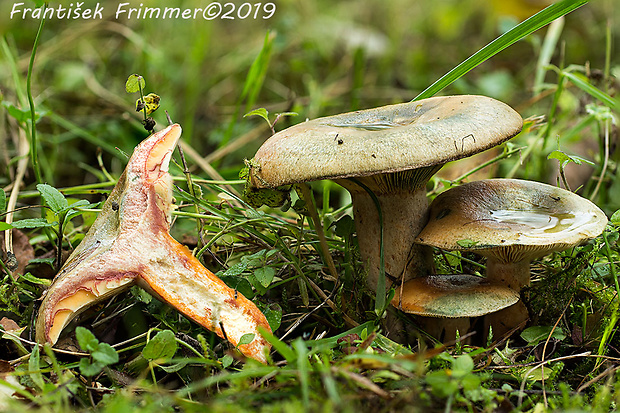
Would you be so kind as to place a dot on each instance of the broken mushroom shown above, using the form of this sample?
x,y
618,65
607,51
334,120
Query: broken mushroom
x,y
129,243
392,151
510,222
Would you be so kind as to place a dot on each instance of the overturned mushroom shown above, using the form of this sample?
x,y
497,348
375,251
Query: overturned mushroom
x,y
510,222
392,151
130,243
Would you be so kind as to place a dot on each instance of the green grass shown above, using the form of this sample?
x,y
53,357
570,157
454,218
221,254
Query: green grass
x,y
315,59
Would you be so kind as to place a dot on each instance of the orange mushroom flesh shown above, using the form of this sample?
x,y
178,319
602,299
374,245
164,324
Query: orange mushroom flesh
x,y
129,243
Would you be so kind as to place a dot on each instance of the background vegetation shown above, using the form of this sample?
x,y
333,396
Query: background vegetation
x,y
313,58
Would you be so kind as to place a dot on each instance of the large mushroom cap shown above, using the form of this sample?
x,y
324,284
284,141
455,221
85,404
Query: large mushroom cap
x,y
386,139
453,296
502,213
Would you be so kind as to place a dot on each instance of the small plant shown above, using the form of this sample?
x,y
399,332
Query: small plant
x,y
264,113
101,354
145,104
563,160
62,211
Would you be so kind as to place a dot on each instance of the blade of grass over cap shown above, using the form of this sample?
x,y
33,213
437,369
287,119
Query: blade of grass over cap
x,y
513,35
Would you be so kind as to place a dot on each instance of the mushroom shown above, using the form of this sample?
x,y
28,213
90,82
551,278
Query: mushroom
x,y
444,303
510,222
453,296
392,151
129,243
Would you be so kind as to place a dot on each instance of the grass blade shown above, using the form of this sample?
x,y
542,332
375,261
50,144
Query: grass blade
x,y
580,81
303,368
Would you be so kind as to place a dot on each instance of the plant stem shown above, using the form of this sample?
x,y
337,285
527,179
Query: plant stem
x,y
190,187
142,98
318,226
499,157
33,133
59,237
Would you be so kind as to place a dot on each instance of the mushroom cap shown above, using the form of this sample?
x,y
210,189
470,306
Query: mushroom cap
x,y
454,296
514,218
383,140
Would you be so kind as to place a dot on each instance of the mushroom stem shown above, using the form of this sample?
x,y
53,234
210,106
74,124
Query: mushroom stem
x,y
515,275
404,215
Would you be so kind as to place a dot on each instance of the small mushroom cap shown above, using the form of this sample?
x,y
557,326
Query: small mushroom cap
x,y
523,219
453,296
386,139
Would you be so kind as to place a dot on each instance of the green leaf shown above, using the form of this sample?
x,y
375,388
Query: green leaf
x,y
466,243
262,112
563,158
441,383
4,226
34,368
615,218
105,354
535,334
89,369
87,340
32,223
462,365
345,226
173,368
470,382
241,285
265,275
21,115
273,314
510,37
134,83
246,339
52,196
227,360
150,103
31,278
2,200
162,346
236,270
